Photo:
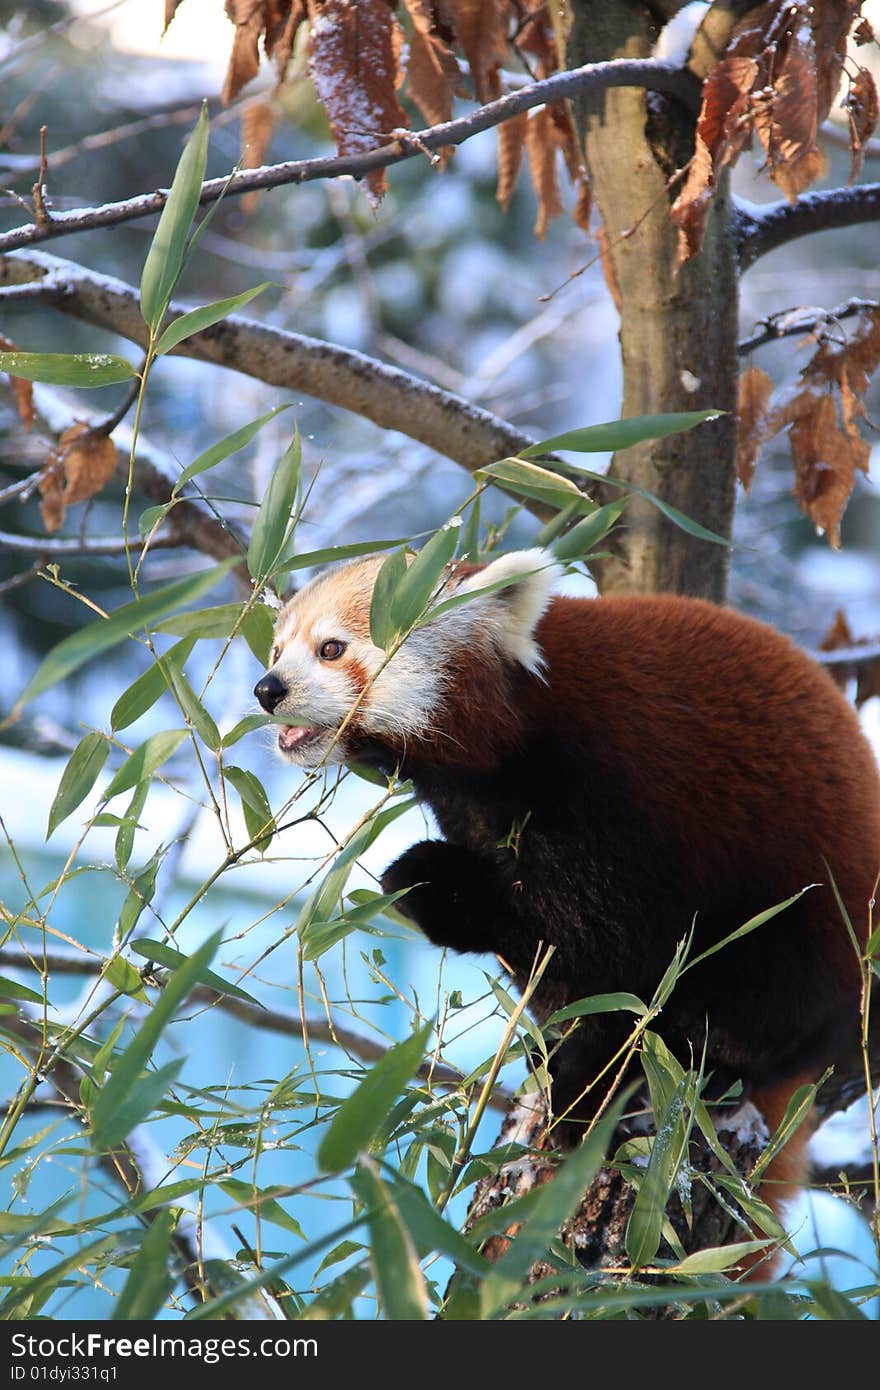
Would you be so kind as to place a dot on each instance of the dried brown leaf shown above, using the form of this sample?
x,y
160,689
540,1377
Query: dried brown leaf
x,y
839,634
22,390
171,8
249,18
826,458
786,118
755,390
354,63
511,140
257,125
536,36
80,465
481,26
541,147
583,204
432,71
830,20
863,33
723,128
279,40
862,110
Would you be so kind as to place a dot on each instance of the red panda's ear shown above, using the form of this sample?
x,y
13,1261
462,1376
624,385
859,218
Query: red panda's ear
x,y
512,611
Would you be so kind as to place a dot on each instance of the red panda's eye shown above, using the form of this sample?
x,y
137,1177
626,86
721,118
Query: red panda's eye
x,y
274,654
332,650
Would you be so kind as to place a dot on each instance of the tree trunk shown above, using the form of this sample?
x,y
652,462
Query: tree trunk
x,y
678,328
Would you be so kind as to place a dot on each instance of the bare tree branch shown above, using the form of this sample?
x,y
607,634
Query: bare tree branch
x,y
390,397
60,962
793,323
649,73
54,547
762,228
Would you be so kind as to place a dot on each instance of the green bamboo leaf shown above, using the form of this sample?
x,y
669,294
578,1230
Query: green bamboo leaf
x,y
615,435
143,693
255,806
132,1108
553,1205
412,594
322,903
244,726
139,895
584,537
645,1226
165,256
392,573
718,1258
198,319
195,712
469,539
122,975
264,1201
78,778
833,1306
148,518
144,761
310,559
598,1004
751,925
429,1230
28,1294
362,1114
400,1284
111,1112
271,528
84,369
125,835
10,989
334,1300
231,444
528,480
160,953
74,651
149,1280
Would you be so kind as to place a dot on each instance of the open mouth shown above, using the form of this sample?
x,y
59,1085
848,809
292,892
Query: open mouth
x,y
293,737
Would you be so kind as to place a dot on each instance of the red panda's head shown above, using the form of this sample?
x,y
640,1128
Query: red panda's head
x,y
326,675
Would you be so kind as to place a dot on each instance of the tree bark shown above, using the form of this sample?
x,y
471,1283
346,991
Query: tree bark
x,y
678,327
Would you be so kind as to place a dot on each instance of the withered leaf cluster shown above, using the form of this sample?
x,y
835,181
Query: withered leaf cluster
x,y
777,80
365,56
821,414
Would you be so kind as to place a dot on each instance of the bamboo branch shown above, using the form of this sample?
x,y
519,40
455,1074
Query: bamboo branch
x,y
649,73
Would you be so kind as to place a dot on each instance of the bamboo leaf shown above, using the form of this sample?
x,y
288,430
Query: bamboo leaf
x,y
361,1115
231,444
413,592
382,629
82,369
74,651
400,1284
162,954
149,1280
198,319
111,1113
528,480
144,761
78,778
143,693
271,528
583,537
165,256
615,435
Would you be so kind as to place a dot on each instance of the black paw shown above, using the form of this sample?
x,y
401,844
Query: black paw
x,y
453,895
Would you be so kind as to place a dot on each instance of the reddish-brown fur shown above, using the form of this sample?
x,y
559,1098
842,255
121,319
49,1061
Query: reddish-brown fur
x,y
737,753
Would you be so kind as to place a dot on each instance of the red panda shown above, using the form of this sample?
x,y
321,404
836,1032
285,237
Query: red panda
x,y
607,773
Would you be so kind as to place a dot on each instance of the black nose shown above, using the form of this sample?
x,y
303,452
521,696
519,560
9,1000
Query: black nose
x,y
270,691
